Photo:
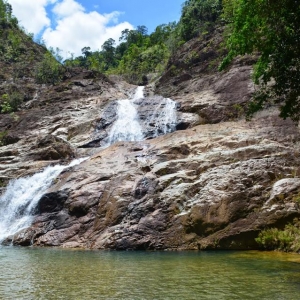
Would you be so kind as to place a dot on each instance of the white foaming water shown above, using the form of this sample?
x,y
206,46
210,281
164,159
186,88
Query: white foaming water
x,y
139,93
164,117
127,126
21,197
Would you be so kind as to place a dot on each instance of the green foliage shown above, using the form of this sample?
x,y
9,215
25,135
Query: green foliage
x,y
3,135
287,239
162,33
10,40
272,30
49,70
6,17
18,53
136,55
139,61
197,16
10,102
108,54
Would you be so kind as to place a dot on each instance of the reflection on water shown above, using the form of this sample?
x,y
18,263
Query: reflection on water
x,y
68,274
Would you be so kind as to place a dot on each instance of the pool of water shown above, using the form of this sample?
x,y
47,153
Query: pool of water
x,y
33,273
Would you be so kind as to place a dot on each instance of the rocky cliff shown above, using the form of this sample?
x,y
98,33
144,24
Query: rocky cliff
x,y
214,183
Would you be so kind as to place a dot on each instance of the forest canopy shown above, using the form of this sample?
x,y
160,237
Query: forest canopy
x,y
138,53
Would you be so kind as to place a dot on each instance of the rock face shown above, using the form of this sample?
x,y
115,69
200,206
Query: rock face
x,y
212,186
215,183
54,122
192,79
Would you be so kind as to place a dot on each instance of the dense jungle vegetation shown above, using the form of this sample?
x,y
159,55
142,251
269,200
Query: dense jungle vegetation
x,y
268,29
139,53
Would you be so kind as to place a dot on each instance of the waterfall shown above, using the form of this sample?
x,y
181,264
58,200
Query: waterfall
x,y
164,117
140,118
139,93
21,197
127,126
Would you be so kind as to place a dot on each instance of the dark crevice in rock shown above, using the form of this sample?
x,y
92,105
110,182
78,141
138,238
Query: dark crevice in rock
x,y
51,202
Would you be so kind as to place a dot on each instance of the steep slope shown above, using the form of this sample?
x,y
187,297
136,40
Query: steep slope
x,y
192,78
37,120
214,184
54,122
19,57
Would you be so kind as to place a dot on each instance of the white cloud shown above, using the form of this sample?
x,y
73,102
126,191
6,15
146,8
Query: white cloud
x,y
32,14
67,8
74,28
81,29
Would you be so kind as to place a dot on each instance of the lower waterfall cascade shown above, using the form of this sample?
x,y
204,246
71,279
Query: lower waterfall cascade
x,y
21,196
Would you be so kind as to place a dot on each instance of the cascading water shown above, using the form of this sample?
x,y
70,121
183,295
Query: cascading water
x,y
21,197
127,126
139,93
164,117
142,117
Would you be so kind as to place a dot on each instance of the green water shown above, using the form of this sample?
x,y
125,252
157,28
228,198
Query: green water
x,y
28,273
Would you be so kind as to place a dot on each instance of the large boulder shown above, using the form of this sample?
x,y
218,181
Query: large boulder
x,y
51,147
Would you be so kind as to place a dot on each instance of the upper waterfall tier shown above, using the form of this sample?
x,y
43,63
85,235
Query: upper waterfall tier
x,y
127,126
134,119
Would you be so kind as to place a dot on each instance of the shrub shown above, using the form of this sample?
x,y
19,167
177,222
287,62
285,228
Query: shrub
x,y
287,239
10,102
3,134
49,70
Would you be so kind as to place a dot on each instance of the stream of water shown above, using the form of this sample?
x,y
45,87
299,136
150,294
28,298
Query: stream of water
x,y
21,196
127,126
71,274
141,117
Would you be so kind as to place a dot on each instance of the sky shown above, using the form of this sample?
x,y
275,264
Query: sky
x,y
71,25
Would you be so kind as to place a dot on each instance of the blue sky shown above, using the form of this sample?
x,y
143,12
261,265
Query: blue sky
x,y
139,12
74,24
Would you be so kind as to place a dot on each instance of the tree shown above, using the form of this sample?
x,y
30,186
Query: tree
x,y
142,29
196,16
49,70
86,51
120,50
271,29
162,33
108,52
124,35
136,55
6,16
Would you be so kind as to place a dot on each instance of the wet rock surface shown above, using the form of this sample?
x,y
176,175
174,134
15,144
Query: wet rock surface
x,y
67,113
156,116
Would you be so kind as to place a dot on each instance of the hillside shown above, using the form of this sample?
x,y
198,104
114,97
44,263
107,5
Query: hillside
x,y
211,180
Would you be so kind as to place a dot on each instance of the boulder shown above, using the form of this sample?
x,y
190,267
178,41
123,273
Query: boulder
x,y
52,147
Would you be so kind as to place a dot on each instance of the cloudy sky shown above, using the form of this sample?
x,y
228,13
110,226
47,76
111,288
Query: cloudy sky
x,y
74,24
